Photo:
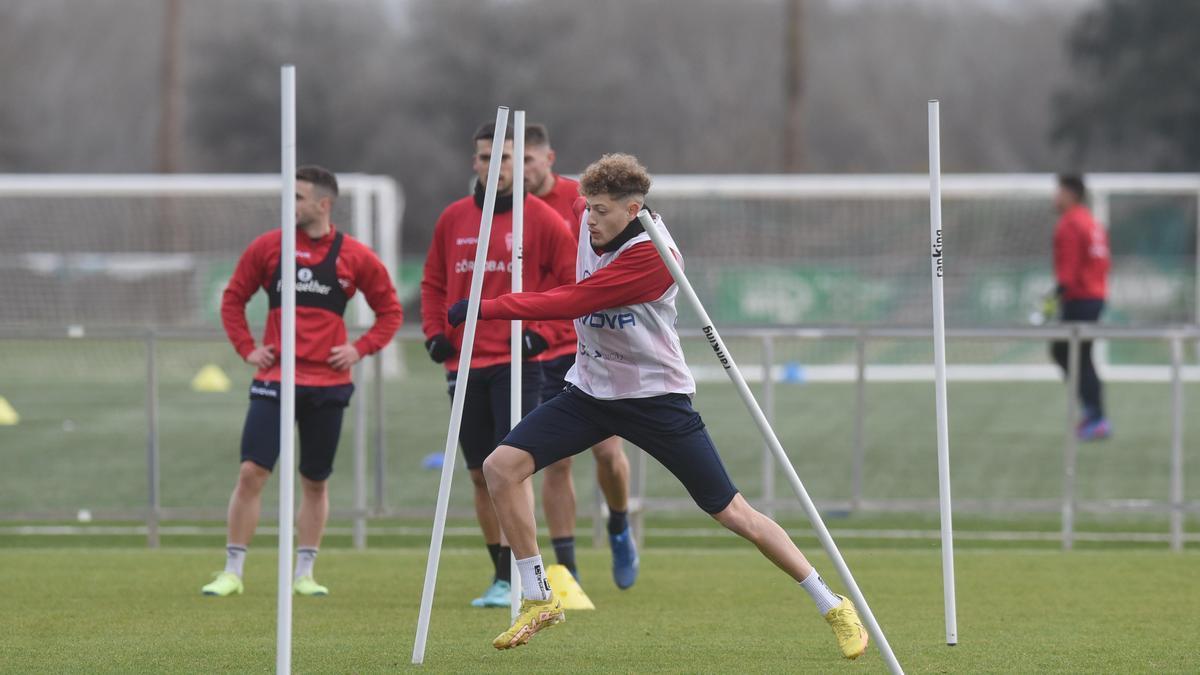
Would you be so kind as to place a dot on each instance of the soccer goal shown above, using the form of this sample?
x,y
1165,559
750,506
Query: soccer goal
x,y
157,250
838,250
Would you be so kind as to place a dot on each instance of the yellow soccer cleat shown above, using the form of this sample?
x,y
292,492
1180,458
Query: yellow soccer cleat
x,y
224,583
535,615
306,585
848,629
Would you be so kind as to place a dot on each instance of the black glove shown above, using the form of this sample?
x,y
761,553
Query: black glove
x,y
457,313
533,344
439,348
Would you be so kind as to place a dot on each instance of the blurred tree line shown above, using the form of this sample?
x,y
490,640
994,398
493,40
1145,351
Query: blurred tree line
x,y
691,86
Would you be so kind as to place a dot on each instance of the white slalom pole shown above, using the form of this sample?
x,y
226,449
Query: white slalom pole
x,y
939,371
287,365
460,385
518,282
731,369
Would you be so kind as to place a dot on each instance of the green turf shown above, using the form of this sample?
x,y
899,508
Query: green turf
x,y
719,611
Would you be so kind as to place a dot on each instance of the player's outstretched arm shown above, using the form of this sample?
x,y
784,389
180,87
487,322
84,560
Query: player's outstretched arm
x,y
637,276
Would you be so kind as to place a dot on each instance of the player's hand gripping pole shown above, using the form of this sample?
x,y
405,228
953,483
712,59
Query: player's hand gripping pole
x,y
939,371
726,359
460,385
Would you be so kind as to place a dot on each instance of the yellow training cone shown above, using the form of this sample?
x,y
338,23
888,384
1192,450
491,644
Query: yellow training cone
x,y
8,416
567,589
211,379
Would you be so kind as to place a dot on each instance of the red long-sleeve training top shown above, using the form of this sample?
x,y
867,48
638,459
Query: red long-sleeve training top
x,y
549,261
637,275
1081,255
318,330
562,198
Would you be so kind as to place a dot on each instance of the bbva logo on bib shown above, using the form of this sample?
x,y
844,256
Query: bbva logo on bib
x,y
602,320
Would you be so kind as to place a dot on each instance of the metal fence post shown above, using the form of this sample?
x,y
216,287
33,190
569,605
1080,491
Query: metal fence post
x,y
380,446
1176,496
858,461
1072,442
768,404
152,457
360,461
598,530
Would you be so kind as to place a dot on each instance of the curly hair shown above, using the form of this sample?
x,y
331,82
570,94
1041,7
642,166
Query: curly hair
x,y
616,174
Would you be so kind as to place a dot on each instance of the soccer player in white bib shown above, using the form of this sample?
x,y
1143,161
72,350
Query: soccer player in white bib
x,y
629,380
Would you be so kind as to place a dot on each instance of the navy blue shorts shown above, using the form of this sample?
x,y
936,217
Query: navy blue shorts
x,y
554,375
666,427
318,414
486,413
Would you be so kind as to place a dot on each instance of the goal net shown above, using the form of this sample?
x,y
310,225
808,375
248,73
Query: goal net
x,y
153,251
854,251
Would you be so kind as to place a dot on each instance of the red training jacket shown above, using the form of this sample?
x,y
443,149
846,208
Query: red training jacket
x,y
637,275
549,261
561,198
318,331
1081,256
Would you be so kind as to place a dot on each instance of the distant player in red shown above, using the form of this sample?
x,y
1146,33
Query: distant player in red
x,y
1081,262
612,467
330,268
548,263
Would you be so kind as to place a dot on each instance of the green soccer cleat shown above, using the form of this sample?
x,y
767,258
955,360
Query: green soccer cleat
x,y
306,585
223,584
848,629
534,616
499,594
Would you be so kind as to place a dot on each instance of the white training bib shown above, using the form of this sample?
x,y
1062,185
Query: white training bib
x,y
631,351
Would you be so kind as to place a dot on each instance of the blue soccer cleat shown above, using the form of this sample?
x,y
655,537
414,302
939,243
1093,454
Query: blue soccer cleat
x,y
625,558
499,594
1094,430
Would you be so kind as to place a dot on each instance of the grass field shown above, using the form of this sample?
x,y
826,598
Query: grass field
x,y
720,610
81,441
705,603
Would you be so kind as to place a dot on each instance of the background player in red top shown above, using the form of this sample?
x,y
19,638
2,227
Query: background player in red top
x,y
330,268
548,263
1081,262
612,467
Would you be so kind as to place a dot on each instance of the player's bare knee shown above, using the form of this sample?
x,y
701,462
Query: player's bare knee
x,y
493,471
252,478
314,488
507,465
609,452
478,479
558,471
740,518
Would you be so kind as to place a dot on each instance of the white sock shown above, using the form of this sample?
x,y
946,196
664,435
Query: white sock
x,y
305,559
533,579
820,592
235,558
